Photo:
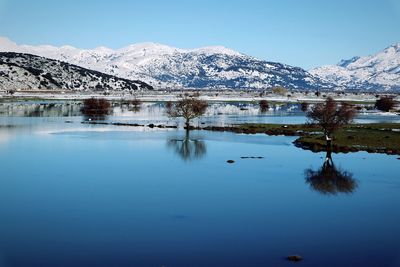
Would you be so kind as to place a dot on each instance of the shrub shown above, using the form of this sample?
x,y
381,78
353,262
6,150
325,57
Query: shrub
x,y
264,106
135,102
136,105
96,107
11,92
304,106
279,90
385,103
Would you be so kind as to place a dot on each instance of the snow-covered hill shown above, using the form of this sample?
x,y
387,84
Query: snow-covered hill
x,y
25,71
380,71
167,67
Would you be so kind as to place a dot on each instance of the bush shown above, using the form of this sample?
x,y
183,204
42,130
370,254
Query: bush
x,y
135,102
279,90
304,106
385,103
264,106
11,92
96,107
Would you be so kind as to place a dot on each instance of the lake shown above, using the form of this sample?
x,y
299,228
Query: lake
x,y
73,194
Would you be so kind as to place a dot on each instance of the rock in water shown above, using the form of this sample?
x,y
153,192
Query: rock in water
x,y
294,258
230,161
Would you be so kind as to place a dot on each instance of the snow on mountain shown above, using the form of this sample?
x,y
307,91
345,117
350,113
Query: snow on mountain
x,y
210,50
7,45
168,67
380,71
345,62
26,71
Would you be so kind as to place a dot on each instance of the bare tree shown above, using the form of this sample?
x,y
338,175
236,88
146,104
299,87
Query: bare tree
x,y
331,116
188,107
385,103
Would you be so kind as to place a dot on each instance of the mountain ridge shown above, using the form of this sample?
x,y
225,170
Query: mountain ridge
x,y
166,67
169,67
379,71
26,71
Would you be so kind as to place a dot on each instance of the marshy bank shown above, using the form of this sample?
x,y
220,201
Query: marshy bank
x,y
371,137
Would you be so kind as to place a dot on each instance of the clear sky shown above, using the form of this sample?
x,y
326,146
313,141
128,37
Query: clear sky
x,y
305,33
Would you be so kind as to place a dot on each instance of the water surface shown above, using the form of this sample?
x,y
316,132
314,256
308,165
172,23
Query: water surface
x,y
85,195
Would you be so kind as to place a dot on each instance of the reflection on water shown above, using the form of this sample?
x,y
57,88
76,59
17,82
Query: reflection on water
x,y
188,149
6,133
218,113
330,180
41,109
135,109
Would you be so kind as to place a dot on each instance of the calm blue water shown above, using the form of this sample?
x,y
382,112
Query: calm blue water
x,y
84,195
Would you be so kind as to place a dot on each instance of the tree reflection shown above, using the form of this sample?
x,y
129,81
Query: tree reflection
x,y
188,149
330,180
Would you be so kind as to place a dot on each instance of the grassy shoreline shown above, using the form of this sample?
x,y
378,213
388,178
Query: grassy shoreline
x,y
372,138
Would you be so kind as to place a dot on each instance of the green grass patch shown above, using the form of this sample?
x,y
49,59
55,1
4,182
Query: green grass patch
x,y
374,137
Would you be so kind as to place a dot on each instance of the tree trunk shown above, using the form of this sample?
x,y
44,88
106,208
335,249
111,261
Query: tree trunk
x,y
328,142
187,125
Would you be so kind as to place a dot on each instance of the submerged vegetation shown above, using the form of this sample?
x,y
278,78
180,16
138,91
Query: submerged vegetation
x,y
304,106
385,103
135,104
264,106
96,107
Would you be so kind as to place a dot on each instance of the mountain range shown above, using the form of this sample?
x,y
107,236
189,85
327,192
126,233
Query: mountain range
x,y
378,72
25,71
163,67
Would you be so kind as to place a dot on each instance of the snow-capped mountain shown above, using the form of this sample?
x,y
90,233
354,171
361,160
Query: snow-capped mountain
x,y
25,71
380,71
167,67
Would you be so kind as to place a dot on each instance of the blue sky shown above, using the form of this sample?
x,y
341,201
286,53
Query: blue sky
x,y
305,33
